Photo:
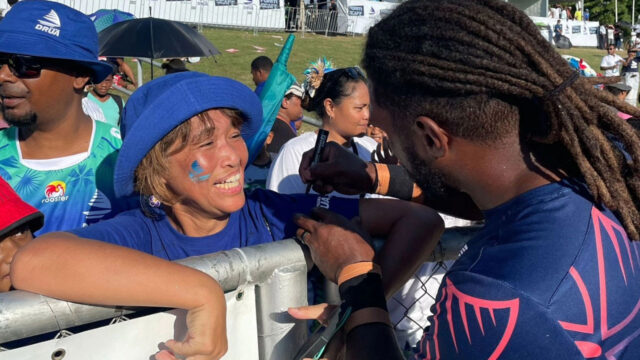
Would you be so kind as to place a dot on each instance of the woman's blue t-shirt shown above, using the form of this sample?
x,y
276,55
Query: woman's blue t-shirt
x,y
265,217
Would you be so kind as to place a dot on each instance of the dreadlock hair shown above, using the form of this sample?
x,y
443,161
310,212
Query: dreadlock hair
x,y
482,70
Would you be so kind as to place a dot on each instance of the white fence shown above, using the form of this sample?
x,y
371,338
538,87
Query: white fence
x,y
581,33
353,16
260,283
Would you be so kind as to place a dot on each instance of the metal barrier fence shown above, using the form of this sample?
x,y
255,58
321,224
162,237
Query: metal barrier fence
x,y
258,15
260,282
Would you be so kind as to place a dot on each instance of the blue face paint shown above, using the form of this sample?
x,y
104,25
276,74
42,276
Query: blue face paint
x,y
196,171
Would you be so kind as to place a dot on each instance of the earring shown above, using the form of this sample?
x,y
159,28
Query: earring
x,y
154,202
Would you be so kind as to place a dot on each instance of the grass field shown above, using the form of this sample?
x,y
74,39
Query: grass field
x,y
344,51
590,55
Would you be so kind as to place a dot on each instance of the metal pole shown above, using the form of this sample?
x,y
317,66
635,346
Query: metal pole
x,y
278,334
140,82
303,20
616,11
25,314
256,8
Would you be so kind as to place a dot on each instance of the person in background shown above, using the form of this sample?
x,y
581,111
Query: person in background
x,y
577,15
173,66
564,14
124,75
602,37
260,70
617,38
610,36
630,74
557,31
341,99
281,132
18,222
611,62
586,14
536,149
290,111
620,91
56,157
110,104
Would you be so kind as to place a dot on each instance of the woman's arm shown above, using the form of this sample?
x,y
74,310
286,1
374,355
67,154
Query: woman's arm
x,y
411,231
64,266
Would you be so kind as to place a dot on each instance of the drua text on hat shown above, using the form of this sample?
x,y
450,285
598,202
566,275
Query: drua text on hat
x,y
50,24
49,30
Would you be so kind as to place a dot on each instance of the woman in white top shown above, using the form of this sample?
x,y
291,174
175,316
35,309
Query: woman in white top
x,y
341,99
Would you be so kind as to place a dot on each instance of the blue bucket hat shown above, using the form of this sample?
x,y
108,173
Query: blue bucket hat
x,y
52,30
159,106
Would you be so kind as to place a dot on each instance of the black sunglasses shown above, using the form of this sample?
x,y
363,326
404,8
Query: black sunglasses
x,y
22,66
29,67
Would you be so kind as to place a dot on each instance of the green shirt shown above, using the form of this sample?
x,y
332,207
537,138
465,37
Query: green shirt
x,y
109,109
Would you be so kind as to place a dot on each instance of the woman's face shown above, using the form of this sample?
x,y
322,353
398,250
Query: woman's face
x,y
351,117
208,174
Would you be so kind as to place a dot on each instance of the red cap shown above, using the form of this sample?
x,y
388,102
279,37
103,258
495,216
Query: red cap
x,y
15,213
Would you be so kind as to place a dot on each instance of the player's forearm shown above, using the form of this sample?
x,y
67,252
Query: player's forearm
x,y
369,332
64,266
411,240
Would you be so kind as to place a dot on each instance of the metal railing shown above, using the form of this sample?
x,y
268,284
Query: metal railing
x,y
277,271
257,15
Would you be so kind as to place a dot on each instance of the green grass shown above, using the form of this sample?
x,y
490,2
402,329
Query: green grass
x,y
342,50
592,56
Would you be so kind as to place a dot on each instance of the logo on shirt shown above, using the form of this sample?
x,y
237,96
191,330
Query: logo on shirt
x,y
463,250
55,191
50,24
323,202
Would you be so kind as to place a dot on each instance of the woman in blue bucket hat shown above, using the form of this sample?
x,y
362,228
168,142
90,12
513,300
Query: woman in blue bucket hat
x,y
184,152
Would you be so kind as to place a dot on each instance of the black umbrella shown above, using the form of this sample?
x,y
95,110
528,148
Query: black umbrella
x,y
153,38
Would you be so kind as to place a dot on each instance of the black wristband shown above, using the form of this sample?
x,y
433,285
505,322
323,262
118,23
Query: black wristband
x,y
400,183
363,291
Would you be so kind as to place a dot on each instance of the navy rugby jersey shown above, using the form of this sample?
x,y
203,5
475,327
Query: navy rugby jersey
x,y
550,276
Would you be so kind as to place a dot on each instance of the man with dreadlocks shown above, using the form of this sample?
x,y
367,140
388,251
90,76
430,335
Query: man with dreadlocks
x,y
475,101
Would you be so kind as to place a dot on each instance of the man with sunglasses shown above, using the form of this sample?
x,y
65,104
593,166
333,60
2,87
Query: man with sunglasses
x,y
56,157
611,62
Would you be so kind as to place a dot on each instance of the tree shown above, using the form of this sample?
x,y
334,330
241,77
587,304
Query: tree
x,y
604,10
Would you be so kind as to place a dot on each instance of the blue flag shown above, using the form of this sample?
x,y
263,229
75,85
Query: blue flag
x,y
278,82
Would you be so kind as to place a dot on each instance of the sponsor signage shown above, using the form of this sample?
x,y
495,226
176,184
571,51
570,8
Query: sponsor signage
x,y
356,10
269,4
226,2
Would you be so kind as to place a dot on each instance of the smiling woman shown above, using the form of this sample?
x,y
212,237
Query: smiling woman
x,y
184,151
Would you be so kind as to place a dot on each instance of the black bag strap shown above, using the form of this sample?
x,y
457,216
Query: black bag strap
x,y
120,103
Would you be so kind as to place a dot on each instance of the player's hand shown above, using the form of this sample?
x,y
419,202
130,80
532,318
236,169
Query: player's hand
x,y
376,133
206,337
334,241
322,313
338,170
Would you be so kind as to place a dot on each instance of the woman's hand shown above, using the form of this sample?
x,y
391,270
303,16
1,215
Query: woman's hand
x,y
206,338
